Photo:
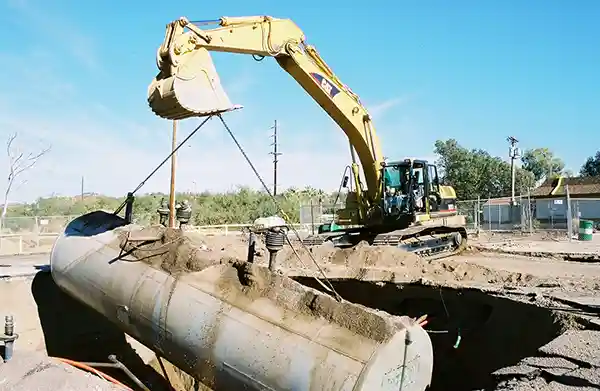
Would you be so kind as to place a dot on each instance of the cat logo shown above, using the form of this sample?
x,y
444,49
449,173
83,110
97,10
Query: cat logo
x,y
326,85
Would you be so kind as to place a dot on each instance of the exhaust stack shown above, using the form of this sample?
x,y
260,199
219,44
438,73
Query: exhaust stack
x,y
192,89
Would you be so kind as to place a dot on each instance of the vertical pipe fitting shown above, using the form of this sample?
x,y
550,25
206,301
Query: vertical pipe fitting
x,y
251,247
274,240
9,337
129,208
272,260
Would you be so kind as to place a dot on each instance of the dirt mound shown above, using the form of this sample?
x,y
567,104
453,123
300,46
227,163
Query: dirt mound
x,y
238,281
177,252
241,282
404,265
361,255
171,250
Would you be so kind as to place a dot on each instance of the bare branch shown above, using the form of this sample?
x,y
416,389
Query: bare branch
x,y
19,170
18,165
20,184
40,154
11,138
15,161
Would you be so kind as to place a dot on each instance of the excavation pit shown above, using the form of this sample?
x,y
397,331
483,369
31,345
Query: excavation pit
x,y
473,333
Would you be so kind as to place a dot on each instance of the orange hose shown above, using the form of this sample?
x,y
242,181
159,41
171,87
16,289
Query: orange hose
x,y
422,320
88,368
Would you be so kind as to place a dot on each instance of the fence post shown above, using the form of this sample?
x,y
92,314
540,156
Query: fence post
x,y
227,229
478,207
531,209
489,205
499,216
312,216
475,217
569,215
20,244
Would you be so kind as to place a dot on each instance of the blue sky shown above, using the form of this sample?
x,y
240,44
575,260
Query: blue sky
x,y
76,77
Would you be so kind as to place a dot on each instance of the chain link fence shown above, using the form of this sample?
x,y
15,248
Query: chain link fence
x,y
498,214
314,214
526,214
529,214
35,224
35,234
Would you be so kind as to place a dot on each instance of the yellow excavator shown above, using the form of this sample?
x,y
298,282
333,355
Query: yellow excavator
x,y
403,203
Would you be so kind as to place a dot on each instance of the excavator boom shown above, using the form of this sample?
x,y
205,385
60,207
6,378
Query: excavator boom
x,y
183,60
188,86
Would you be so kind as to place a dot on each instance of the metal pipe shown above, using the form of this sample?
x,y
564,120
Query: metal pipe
x,y
274,241
121,366
8,337
251,247
115,363
229,340
272,260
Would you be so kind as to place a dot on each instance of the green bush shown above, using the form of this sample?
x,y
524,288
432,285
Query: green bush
x,y
241,206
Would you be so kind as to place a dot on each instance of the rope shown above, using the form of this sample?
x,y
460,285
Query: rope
x,y
329,286
142,183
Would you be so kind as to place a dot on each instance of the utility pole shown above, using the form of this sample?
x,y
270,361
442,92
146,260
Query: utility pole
x,y
513,154
549,159
82,179
275,154
173,171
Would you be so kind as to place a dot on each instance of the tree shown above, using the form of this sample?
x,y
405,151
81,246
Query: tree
x,y
18,163
541,162
475,173
591,167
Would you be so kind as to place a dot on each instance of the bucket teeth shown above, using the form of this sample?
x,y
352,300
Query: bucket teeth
x,y
192,90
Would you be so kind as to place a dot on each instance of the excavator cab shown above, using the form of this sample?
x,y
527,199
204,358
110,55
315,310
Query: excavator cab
x,y
411,187
406,187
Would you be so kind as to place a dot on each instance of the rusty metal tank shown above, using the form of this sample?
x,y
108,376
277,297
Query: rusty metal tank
x,y
233,344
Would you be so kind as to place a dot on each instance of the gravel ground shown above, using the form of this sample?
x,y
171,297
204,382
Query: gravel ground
x,y
569,362
37,372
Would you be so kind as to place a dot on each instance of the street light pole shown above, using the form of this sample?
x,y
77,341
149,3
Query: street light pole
x,y
513,154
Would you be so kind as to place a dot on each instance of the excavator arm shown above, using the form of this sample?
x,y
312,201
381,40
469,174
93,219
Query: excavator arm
x,y
185,67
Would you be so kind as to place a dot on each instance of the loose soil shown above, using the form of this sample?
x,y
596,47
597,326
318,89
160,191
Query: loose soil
x,y
241,281
177,253
483,323
169,249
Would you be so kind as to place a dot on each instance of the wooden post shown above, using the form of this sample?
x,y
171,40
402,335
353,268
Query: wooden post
x,y
173,171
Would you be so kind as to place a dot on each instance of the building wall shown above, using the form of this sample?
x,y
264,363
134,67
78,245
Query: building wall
x,y
498,214
556,208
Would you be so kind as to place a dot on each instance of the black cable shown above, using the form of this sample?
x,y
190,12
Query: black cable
x,y
337,197
280,209
120,208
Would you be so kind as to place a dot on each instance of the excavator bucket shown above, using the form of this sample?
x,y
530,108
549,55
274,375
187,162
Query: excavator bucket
x,y
192,90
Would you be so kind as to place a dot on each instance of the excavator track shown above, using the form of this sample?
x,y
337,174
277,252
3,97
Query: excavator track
x,y
429,242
